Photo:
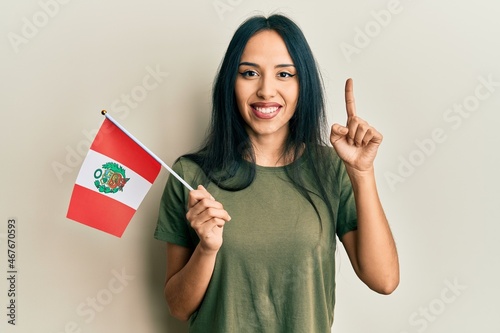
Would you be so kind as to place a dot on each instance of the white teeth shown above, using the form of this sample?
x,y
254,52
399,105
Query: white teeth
x,y
267,110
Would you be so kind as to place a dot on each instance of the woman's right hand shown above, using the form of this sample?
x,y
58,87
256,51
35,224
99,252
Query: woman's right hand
x,y
207,217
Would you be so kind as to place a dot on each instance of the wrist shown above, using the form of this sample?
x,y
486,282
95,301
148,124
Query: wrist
x,y
206,252
363,181
357,174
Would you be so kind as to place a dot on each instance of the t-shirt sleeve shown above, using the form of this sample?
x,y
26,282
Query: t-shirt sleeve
x,y
347,214
172,225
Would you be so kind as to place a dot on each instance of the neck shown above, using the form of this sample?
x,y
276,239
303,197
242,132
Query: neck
x,y
272,154
268,150
271,158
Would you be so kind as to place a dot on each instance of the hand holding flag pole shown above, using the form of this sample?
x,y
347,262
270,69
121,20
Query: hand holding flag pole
x,y
114,178
105,113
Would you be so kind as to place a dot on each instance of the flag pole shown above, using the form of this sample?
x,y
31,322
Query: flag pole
x,y
105,113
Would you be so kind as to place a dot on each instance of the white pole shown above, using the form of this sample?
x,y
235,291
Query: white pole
x,y
105,113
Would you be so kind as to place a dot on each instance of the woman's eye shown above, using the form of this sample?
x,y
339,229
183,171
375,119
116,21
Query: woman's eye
x,y
249,73
285,75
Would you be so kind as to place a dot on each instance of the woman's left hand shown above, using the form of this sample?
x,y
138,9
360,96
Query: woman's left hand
x,y
357,142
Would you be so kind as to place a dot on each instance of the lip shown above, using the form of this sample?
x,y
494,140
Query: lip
x,y
264,110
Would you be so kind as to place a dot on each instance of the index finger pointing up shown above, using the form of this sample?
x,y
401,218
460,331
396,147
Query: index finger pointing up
x,y
350,105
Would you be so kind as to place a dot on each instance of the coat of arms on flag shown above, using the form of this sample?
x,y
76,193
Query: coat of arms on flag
x,y
110,178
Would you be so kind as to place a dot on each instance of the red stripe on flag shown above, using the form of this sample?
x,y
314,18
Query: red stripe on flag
x,y
99,211
111,141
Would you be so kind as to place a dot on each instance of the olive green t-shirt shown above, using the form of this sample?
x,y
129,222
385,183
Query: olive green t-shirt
x,y
275,271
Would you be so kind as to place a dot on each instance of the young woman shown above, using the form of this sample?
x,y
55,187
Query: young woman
x,y
252,249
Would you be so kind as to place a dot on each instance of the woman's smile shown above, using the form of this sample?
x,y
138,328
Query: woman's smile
x,y
264,110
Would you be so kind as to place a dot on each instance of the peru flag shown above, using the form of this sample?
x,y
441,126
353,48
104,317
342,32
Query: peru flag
x,y
114,178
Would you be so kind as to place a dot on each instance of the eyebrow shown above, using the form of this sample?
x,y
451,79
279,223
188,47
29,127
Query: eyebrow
x,y
245,63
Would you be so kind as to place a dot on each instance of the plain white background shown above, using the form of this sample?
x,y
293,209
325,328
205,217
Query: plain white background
x,y
426,74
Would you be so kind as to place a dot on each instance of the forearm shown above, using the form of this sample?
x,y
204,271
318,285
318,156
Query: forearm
x,y
185,290
376,254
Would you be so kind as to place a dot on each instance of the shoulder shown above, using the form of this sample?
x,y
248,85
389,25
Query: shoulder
x,y
184,164
188,169
327,165
328,156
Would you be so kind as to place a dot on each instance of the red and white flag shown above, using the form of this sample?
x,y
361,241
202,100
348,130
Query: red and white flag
x,y
113,180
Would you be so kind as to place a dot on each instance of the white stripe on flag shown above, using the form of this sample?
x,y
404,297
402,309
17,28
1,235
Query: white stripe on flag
x,y
134,190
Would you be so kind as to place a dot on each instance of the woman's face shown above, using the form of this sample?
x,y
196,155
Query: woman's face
x,y
267,87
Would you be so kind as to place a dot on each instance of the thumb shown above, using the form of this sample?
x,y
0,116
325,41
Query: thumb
x,y
203,189
338,132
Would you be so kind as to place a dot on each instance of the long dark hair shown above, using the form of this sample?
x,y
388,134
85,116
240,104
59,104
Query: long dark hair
x,y
228,149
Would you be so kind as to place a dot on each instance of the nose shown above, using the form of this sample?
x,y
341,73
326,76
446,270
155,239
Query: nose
x,y
267,87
